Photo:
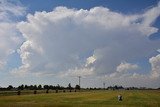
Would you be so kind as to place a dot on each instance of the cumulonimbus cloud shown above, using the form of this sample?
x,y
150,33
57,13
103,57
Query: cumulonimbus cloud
x,y
155,63
76,41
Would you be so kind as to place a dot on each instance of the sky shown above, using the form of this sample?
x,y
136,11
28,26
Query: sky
x,y
55,41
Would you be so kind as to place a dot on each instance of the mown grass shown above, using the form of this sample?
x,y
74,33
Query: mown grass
x,y
139,98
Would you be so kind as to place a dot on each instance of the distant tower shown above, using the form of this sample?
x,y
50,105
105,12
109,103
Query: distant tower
x,y
104,85
79,80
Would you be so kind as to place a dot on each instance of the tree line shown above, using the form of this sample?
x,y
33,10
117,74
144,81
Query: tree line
x,y
69,87
40,87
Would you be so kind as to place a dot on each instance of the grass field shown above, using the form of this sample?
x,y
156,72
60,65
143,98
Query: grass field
x,y
139,98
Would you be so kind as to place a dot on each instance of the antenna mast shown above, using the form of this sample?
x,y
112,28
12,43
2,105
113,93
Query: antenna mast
x,y
79,80
104,85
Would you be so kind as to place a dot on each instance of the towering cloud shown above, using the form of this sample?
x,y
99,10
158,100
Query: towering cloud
x,y
92,42
155,63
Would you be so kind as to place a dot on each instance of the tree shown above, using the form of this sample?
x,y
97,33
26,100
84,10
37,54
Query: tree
x,y
10,87
46,87
21,87
69,86
51,87
58,87
35,87
39,87
26,87
77,87
31,87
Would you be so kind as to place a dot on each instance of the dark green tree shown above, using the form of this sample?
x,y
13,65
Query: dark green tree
x,y
46,87
31,87
69,86
35,87
21,87
26,87
39,87
10,87
77,87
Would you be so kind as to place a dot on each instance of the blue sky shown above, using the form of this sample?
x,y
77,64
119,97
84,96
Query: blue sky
x,y
99,45
125,6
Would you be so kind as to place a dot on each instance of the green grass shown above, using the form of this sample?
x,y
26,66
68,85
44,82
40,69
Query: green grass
x,y
139,98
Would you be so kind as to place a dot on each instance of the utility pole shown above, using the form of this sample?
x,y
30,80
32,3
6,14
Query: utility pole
x,y
79,80
104,85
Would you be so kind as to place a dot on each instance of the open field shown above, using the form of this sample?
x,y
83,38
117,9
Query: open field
x,y
136,98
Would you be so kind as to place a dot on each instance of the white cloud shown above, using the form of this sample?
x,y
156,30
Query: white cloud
x,y
90,60
124,67
155,64
10,10
69,41
78,72
10,38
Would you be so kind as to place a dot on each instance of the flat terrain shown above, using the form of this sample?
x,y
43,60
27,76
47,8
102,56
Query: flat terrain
x,y
139,98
